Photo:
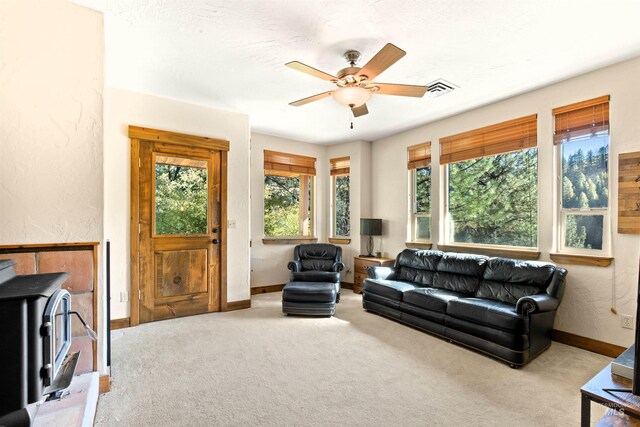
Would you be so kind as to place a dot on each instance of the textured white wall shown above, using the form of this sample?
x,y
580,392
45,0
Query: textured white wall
x,y
124,108
51,61
269,262
585,309
360,197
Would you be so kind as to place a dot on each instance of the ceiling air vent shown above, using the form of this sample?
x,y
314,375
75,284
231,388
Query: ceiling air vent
x,y
440,87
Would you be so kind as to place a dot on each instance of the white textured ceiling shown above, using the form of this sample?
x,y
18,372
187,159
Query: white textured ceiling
x,y
231,54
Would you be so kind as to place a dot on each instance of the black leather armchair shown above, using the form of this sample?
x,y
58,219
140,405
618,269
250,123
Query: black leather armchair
x,y
317,262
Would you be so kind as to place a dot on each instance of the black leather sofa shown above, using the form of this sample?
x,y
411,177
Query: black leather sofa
x,y
500,306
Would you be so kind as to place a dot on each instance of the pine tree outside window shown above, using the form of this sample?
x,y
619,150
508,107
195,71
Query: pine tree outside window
x,y
491,186
419,169
582,137
288,194
340,197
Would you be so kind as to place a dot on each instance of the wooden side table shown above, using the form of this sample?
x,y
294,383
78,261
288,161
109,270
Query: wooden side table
x,y
595,391
360,266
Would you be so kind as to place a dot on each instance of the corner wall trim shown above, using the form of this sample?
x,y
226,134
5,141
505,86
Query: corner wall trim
x,y
104,384
125,322
267,289
238,305
600,347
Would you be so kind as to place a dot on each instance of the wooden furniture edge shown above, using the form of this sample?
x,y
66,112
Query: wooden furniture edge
x,y
346,285
339,241
238,305
48,247
595,261
122,323
104,384
288,241
499,252
266,289
585,343
418,245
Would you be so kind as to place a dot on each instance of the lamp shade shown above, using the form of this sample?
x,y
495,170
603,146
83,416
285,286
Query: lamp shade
x,y
349,96
370,227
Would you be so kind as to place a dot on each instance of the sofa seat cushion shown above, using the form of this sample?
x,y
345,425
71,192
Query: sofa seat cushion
x,y
430,298
387,288
495,314
315,276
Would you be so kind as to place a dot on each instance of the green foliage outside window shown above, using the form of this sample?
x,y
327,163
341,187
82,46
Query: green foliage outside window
x,y
342,215
181,200
282,206
422,204
494,200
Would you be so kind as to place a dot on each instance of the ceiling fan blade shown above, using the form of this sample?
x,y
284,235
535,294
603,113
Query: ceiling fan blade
x,y
310,70
384,59
400,90
312,98
360,111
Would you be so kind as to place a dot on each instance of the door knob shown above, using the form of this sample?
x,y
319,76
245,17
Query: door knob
x,y
216,230
215,241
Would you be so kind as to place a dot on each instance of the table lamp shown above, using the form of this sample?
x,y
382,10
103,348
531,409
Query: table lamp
x,y
370,227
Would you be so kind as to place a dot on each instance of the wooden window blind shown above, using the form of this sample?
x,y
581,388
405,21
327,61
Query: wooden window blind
x,y
340,166
419,156
581,119
505,137
284,164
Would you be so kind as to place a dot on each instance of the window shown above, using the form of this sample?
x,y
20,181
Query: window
x,y
288,194
340,214
492,176
582,136
419,166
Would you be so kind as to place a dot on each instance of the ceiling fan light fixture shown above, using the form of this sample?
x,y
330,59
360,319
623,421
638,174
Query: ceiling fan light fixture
x,y
352,96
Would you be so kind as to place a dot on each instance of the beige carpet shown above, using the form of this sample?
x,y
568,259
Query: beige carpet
x,y
258,367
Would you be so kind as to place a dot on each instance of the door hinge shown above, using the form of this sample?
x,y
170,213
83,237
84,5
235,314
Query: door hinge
x,y
139,294
138,228
139,162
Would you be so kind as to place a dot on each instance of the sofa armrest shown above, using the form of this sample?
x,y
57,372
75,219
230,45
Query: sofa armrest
x,y
294,266
379,272
537,304
337,266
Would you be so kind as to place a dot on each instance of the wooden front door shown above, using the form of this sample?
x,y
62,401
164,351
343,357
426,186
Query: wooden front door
x,y
179,227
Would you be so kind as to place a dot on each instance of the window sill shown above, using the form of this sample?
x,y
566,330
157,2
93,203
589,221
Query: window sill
x,y
289,240
594,261
499,252
418,245
339,240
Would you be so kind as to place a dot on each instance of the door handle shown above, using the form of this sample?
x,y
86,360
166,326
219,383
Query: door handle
x,y
216,230
215,241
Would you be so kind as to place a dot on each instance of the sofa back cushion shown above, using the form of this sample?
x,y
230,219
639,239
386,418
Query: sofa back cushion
x,y
460,272
418,266
508,280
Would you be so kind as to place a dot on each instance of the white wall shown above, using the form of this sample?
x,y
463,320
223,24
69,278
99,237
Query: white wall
x,y
51,83
124,108
585,309
50,122
359,153
269,262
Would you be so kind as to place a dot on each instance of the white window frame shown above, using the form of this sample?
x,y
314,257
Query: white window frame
x,y
564,212
332,206
413,215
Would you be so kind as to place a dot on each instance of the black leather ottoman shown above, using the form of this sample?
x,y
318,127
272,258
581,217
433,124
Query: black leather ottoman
x,y
309,298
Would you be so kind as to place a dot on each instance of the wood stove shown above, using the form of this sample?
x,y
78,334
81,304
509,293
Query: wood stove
x,y
35,336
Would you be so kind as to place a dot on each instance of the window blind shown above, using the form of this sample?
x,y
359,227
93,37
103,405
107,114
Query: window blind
x,y
505,137
340,166
581,119
285,164
419,156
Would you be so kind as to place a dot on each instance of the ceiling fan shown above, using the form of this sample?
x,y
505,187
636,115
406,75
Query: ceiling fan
x,y
356,85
